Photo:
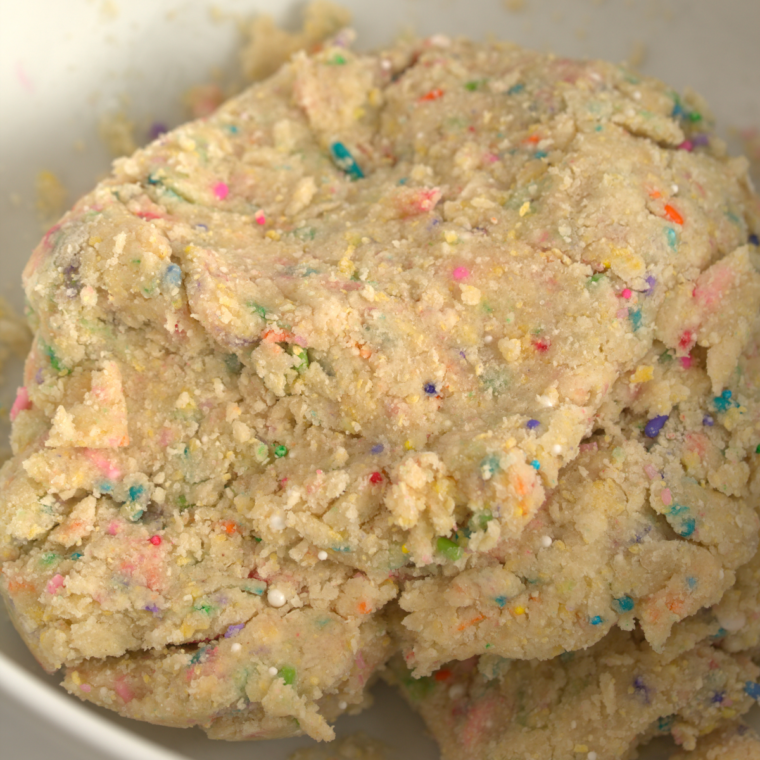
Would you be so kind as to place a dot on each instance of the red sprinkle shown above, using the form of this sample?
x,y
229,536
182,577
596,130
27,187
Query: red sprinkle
x,y
432,95
687,145
541,344
442,675
686,341
155,540
673,215
375,478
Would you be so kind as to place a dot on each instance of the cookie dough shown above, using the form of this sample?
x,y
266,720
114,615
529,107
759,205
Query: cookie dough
x,y
736,741
421,342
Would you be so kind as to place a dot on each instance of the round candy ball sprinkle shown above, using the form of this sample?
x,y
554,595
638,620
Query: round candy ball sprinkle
x,y
276,598
532,424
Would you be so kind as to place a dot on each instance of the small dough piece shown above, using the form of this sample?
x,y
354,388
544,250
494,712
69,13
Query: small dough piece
x,y
735,741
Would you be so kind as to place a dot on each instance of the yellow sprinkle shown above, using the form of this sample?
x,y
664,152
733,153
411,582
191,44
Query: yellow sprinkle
x,y
643,374
273,235
413,399
519,610
404,548
525,208
75,677
408,445
451,237
186,630
580,748
146,678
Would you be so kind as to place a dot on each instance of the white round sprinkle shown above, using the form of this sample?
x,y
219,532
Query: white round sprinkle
x,y
342,705
456,691
236,647
546,541
556,449
545,401
591,756
276,522
488,339
674,189
272,671
276,598
322,555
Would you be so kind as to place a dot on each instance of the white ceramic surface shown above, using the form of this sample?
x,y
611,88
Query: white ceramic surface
x,y
64,63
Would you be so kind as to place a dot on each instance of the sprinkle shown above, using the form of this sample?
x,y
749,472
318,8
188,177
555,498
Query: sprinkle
x,y
135,492
342,705
708,421
556,449
322,555
686,362
280,451
542,345
55,583
275,597
155,540
430,389
516,88
376,478
260,217
540,154
532,424
236,647
525,208
345,161
723,402
624,603
627,293
752,689
460,273
449,549
432,95
157,129
635,316
687,145
233,629
277,522
655,425
272,671
457,691
757,449
442,675
546,541
378,448
173,276
221,190
666,496
596,620
754,239
21,403
672,214
535,464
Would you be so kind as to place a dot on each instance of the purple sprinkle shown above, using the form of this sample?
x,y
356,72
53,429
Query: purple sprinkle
x,y
157,128
430,389
463,354
152,608
642,688
651,281
718,697
378,448
532,424
701,139
655,425
233,629
708,420
39,376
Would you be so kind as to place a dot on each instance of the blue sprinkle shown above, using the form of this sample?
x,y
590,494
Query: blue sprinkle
x,y
378,448
723,401
753,689
635,316
76,555
540,154
688,527
535,464
430,389
232,129
153,180
672,237
718,697
500,600
677,110
754,239
173,276
515,89
202,227
403,181
624,603
655,425
596,620
135,492
345,161
642,688
691,583
105,488
532,424
720,634
708,421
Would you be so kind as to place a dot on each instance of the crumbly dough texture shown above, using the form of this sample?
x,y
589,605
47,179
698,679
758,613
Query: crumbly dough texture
x,y
457,341
735,741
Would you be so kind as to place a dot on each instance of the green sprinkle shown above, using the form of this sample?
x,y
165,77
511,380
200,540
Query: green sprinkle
x,y
757,450
49,558
419,688
476,84
303,358
205,608
449,549
288,675
257,308
695,116
280,451
338,60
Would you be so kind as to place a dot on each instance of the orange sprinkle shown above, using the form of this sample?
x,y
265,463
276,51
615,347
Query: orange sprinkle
x,y
364,608
533,139
442,675
673,215
229,526
276,336
474,620
16,586
432,95
655,194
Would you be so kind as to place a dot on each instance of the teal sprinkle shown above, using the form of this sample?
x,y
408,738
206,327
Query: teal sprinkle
x,y
345,161
500,600
596,620
665,723
598,128
77,555
489,465
540,154
685,525
672,237
635,316
232,129
403,181
691,583
720,634
624,603
153,180
723,402
55,362
516,88
135,492
137,515
535,464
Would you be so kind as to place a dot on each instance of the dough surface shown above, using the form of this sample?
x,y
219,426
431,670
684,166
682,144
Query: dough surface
x,y
451,349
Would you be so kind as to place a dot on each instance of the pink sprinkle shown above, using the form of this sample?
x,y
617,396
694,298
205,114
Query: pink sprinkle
x,y
85,687
108,468
155,540
260,217
686,362
55,583
667,497
460,273
621,313
113,528
123,690
651,471
221,190
627,293
21,403
589,446
687,145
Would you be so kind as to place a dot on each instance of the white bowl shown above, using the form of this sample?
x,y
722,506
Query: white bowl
x,y
64,64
